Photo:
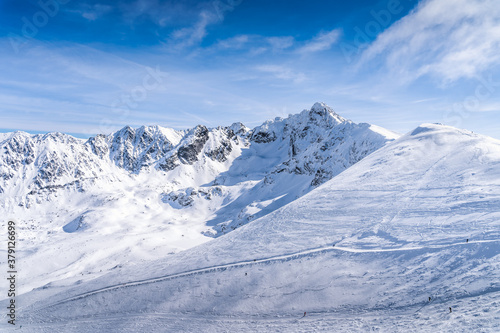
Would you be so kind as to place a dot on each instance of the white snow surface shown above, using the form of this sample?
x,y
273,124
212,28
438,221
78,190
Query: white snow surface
x,y
419,218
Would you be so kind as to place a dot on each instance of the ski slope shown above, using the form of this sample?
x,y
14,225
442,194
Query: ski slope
x,y
418,218
240,264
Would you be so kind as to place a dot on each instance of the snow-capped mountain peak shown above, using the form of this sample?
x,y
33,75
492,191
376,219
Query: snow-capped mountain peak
x,y
322,112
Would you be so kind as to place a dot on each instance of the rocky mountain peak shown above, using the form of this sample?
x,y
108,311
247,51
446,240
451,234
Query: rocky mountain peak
x,y
322,115
282,158
239,129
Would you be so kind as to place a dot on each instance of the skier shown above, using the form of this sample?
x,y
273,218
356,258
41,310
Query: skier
x,y
450,309
467,240
304,314
429,298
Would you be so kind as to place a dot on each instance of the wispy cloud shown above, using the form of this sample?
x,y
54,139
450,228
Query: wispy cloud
x,y
192,35
162,13
255,45
95,12
323,41
236,42
281,43
213,12
449,39
282,73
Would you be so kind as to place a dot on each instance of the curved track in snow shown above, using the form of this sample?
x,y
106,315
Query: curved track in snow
x,y
279,258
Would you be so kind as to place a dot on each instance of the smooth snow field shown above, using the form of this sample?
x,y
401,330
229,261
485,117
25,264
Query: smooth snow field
x,y
405,240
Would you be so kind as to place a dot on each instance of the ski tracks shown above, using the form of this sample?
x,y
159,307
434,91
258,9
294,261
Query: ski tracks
x,y
279,258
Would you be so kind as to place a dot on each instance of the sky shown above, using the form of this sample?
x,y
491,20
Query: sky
x,y
95,66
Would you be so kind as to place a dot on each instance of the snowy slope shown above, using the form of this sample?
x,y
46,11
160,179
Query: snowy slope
x,y
364,251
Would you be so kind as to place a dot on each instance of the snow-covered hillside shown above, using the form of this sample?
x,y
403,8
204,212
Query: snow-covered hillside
x,y
408,239
142,194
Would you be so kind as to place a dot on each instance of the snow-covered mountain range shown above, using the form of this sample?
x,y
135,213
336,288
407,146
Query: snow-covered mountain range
x,y
178,188
350,223
317,143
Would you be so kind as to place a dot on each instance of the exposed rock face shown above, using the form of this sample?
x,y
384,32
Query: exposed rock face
x,y
40,161
319,142
188,153
224,146
135,150
262,136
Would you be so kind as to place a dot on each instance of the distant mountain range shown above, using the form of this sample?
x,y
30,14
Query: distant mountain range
x,y
252,171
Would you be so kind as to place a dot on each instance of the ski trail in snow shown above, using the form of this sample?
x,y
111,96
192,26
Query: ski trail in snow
x,y
414,191
279,258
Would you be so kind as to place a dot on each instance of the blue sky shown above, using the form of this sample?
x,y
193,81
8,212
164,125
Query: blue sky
x,y
87,67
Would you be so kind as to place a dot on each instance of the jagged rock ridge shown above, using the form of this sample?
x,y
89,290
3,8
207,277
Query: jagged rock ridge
x,y
253,172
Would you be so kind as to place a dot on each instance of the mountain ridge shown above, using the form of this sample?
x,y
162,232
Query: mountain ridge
x,y
177,189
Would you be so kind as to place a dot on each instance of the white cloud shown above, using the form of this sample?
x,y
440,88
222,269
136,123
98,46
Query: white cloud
x,y
236,42
195,34
321,42
213,13
282,72
254,45
450,39
95,12
281,43
90,12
